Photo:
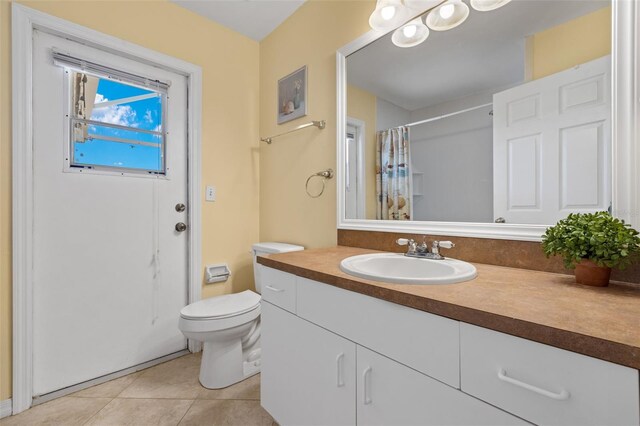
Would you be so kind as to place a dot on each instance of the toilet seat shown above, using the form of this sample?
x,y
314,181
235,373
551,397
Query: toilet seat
x,y
220,313
226,306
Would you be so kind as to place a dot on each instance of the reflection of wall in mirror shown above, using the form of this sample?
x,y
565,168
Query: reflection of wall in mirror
x,y
362,106
390,115
569,44
456,155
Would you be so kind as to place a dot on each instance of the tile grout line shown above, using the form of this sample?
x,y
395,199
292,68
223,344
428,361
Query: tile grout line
x,y
97,412
177,398
140,374
186,412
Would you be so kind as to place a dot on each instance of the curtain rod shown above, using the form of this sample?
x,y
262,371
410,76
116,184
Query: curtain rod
x,y
440,117
319,124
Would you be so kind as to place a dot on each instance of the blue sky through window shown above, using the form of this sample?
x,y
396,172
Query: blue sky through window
x,y
144,114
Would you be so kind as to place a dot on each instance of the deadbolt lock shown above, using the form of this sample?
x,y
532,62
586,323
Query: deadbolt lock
x,y
180,207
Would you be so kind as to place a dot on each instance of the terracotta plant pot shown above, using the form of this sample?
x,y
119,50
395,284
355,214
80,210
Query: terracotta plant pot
x,y
588,273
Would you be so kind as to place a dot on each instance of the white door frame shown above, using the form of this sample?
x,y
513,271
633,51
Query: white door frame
x,y
24,21
360,199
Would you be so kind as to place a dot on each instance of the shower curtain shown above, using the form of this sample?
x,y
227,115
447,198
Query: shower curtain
x,y
393,177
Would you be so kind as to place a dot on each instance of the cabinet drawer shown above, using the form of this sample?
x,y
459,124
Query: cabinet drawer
x,y
278,288
546,385
427,343
392,394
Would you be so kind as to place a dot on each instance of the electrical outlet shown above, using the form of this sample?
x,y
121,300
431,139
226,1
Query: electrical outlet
x,y
211,193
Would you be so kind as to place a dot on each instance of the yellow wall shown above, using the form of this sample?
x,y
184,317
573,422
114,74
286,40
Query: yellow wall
x,y
363,106
5,204
572,43
310,36
230,64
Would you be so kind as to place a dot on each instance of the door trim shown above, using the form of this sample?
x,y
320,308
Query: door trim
x,y
24,21
360,199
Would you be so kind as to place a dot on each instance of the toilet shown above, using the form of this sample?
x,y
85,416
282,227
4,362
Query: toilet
x,y
229,328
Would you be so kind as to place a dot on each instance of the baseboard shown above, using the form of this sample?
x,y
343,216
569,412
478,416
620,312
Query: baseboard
x,y
5,408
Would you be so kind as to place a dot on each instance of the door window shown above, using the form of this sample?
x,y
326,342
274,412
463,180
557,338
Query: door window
x,y
115,124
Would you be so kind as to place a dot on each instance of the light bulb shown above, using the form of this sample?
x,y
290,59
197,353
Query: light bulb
x,y
411,34
446,11
388,12
409,31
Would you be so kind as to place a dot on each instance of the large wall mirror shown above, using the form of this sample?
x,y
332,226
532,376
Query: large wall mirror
x,y
498,127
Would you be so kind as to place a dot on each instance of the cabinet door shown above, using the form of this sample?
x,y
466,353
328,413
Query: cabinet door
x,y
308,373
420,340
391,393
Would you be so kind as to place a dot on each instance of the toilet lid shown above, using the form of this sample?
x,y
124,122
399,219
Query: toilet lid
x,y
225,306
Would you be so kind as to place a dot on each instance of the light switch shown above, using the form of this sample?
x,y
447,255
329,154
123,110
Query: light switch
x,y
211,193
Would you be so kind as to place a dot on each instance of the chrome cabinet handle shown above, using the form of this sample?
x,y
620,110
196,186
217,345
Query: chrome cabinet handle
x,y
366,379
277,290
339,369
564,394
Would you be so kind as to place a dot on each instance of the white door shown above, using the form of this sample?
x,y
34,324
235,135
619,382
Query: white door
x,y
110,268
308,373
390,393
552,146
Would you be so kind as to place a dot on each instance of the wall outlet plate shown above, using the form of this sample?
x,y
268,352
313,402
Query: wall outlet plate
x,y
210,194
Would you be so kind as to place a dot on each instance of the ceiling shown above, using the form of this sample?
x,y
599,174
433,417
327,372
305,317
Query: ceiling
x,y
485,52
253,18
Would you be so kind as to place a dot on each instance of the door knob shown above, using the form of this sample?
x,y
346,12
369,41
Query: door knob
x,y
500,220
181,227
180,207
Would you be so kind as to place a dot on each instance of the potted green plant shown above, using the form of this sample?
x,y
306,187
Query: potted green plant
x,y
592,243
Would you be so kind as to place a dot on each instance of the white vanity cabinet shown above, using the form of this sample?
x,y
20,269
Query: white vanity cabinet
x,y
310,372
336,357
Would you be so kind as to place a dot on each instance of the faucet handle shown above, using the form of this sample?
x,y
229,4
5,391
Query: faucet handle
x,y
446,244
404,241
435,247
410,243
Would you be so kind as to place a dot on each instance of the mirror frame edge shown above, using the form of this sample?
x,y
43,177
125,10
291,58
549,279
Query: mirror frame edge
x,y
625,157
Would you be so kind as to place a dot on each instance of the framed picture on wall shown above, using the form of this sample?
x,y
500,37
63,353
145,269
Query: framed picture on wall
x,y
292,96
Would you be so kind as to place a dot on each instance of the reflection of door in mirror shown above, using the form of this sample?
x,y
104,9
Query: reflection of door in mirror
x,y
551,145
354,169
465,95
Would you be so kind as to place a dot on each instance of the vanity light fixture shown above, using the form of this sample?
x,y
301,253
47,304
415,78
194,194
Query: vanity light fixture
x,y
448,15
411,34
487,5
388,14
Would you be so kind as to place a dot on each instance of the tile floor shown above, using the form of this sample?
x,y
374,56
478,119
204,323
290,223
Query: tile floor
x,y
167,394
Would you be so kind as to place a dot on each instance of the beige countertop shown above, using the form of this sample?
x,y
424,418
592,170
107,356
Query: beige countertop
x,y
541,306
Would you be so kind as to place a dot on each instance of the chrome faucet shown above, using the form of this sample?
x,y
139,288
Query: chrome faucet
x,y
412,246
422,250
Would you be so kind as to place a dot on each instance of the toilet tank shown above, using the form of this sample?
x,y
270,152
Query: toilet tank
x,y
268,248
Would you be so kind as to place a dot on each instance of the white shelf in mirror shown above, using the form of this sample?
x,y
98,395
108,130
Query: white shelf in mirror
x,y
418,183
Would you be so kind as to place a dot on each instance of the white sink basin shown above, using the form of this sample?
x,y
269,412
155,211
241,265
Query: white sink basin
x,y
400,269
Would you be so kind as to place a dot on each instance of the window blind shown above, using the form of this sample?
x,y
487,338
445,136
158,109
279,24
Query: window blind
x,y
68,61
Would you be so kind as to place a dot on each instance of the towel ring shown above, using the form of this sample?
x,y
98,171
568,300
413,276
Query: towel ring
x,y
325,174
